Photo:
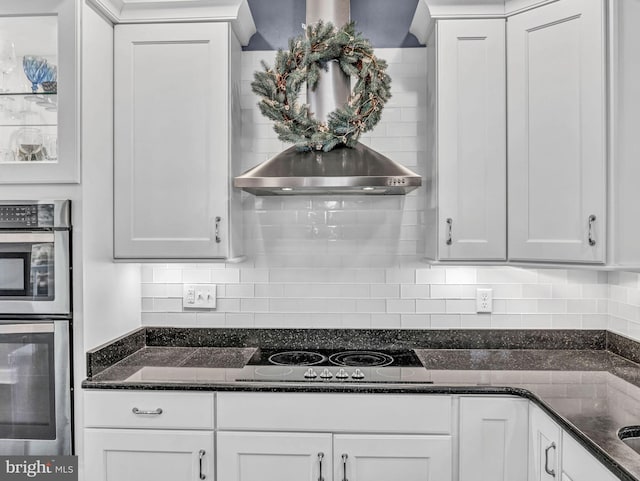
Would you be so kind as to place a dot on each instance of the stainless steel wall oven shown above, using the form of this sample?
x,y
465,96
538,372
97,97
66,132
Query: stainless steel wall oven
x,y
35,326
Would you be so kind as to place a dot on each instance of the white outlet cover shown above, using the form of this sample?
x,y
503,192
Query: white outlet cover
x,y
199,296
484,300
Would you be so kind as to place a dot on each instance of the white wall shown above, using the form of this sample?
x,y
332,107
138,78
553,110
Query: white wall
x,y
111,291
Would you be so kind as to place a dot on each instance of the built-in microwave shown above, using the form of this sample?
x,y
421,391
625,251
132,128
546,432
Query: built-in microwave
x,y
34,257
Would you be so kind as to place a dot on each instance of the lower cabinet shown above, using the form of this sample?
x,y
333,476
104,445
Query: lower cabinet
x,y
148,436
545,446
148,455
253,436
493,439
252,456
579,465
376,457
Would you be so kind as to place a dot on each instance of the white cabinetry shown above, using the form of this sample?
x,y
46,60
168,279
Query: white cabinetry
x,y
557,132
249,456
544,446
141,455
467,133
345,435
625,142
407,457
148,436
493,439
39,129
176,111
579,465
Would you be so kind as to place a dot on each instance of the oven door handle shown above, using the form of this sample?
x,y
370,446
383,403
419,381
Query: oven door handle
x,y
27,237
26,328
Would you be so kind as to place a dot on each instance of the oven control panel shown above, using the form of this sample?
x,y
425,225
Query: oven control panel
x,y
26,216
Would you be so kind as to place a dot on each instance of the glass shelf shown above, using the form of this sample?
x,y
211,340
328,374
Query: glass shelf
x,y
28,94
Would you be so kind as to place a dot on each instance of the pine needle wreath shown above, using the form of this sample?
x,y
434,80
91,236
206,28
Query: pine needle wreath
x,y
308,54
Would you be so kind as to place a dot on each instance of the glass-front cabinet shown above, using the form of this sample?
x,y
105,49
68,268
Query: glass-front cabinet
x,y
38,92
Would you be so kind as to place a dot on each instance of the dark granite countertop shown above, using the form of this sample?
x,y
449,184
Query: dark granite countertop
x,y
588,387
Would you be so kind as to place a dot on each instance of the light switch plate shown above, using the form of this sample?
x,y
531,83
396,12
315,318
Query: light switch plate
x,y
199,296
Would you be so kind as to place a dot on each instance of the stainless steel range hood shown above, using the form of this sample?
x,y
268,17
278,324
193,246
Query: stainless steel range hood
x,y
343,170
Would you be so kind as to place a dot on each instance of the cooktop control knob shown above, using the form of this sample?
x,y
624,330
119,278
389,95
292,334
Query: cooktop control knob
x,y
310,374
357,374
342,374
326,374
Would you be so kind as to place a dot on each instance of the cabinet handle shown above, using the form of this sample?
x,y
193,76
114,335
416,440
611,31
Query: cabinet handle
x,y
218,238
201,454
344,467
320,458
550,472
155,412
592,219
449,231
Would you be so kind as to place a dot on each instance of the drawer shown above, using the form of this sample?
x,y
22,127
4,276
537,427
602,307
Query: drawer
x,y
153,409
377,413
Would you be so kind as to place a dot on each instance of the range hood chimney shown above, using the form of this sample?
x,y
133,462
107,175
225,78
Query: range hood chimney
x,y
343,170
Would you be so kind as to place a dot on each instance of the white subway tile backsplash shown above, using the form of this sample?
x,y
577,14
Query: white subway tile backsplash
x,y
196,276
345,261
414,291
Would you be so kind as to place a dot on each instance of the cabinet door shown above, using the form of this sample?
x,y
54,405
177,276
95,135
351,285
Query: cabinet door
x,y
376,457
253,456
544,447
472,164
145,455
171,140
557,134
579,465
48,152
493,439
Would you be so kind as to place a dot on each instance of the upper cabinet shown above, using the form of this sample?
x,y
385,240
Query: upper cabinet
x,y
557,132
531,102
176,100
39,92
466,219
177,127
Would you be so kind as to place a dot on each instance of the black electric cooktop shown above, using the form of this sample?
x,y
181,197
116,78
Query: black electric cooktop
x,y
335,365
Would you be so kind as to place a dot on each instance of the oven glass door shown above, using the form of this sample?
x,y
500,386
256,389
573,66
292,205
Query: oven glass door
x,y
27,266
27,381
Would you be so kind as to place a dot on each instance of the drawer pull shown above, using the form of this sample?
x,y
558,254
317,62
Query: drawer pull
x,y
592,240
200,456
344,467
449,231
320,458
550,472
155,412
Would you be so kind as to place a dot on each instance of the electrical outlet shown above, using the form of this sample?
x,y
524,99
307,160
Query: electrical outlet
x,y
484,300
199,296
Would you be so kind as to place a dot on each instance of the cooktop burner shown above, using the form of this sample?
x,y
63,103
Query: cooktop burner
x,y
335,365
335,357
297,358
361,358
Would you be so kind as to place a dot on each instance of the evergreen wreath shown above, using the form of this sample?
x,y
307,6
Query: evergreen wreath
x,y
280,86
